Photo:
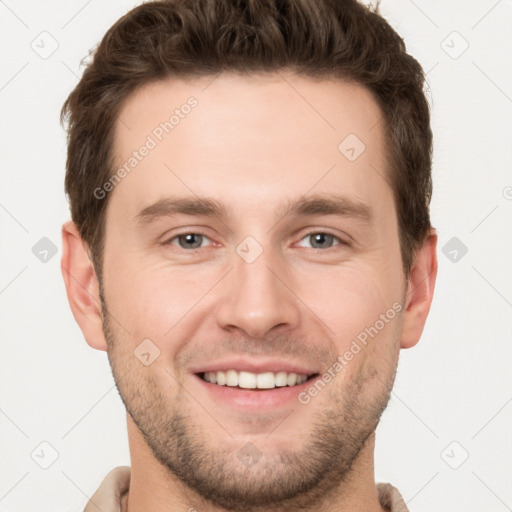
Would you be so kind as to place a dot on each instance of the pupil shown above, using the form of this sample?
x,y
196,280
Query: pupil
x,y
190,240
320,237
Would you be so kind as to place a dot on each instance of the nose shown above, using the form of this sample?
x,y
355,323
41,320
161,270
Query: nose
x,y
257,297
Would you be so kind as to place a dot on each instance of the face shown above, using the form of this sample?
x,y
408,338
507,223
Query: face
x,y
256,234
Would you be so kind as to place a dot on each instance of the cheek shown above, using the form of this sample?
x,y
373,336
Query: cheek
x,y
154,301
359,304
349,298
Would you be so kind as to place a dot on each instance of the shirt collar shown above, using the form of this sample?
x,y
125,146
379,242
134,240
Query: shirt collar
x,y
112,494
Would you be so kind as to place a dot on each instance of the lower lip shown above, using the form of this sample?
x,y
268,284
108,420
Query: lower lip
x,y
253,400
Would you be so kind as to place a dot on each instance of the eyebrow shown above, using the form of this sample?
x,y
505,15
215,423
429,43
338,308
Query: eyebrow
x,y
325,204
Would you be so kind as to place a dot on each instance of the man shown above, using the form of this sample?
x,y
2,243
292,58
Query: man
x,y
251,244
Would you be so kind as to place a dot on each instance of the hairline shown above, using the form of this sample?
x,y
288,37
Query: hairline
x,y
390,155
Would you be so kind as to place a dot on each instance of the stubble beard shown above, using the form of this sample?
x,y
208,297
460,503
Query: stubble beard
x,y
280,481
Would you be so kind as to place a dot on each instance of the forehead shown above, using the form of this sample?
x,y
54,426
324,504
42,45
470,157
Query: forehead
x,y
252,140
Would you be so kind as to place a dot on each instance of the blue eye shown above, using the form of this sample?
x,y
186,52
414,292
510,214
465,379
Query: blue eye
x,y
189,240
195,240
321,240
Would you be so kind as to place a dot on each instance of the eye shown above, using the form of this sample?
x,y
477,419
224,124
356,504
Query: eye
x,y
188,240
194,240
322,240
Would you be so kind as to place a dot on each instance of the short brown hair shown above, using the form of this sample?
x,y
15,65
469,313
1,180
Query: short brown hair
x,y
331,39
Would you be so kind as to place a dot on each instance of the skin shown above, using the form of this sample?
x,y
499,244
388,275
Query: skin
x,y
251,143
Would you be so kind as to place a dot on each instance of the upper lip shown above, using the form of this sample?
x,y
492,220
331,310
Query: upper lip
x,y
255,366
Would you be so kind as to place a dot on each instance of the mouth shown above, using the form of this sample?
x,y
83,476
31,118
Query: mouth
x,y
250,381
254,385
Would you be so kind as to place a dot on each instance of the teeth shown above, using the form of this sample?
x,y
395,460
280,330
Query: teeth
x,y
248,380
265,380
220,377
281,379
231,378
291,380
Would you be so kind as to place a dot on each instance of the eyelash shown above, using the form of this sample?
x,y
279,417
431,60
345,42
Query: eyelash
x,y
337,238
309,233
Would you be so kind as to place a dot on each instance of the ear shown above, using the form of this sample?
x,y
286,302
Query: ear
x,y
82,286
420,291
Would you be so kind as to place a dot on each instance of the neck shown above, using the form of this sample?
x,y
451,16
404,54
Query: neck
x,y
154,487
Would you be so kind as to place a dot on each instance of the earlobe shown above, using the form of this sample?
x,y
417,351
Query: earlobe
x,y
420,291
82,286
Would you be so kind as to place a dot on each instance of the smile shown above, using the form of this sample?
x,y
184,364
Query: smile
x,y
249,380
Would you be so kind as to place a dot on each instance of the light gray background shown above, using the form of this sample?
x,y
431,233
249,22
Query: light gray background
x,y
453,395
